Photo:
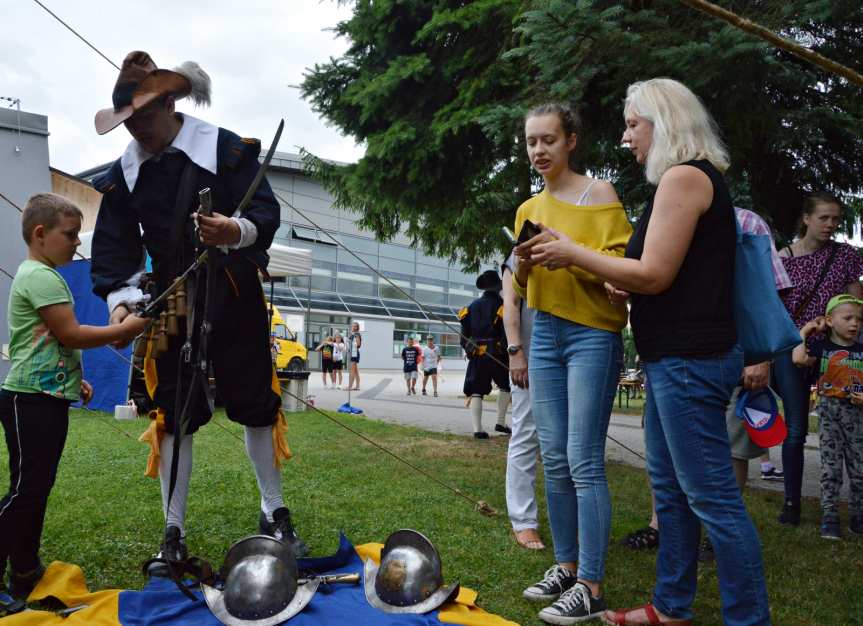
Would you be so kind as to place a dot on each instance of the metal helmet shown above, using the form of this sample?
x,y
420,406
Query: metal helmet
x,y
260,584
409,578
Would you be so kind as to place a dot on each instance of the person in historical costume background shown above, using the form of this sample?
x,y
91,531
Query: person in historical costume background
x,y
150,199
484,342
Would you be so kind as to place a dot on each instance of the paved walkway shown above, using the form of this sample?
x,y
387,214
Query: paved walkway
x,y
383,396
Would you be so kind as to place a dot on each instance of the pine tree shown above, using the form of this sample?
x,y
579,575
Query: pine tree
x,y
437,90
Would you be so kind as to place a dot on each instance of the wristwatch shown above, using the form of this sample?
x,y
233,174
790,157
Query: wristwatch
x,y
513,349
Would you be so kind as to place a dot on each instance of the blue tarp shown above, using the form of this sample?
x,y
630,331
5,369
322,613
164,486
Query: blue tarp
x,y
333,605
103,368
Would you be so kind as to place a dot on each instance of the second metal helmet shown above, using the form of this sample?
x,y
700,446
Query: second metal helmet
x,y
409,578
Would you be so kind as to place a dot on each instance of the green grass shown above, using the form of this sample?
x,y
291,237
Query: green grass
x,y
105,515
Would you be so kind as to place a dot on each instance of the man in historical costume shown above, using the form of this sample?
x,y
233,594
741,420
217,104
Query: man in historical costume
x,y
484,341
150,200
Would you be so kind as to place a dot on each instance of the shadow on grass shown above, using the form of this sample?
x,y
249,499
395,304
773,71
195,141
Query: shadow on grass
x,y
105,515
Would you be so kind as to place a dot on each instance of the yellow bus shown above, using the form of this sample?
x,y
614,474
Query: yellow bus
x,y
290,355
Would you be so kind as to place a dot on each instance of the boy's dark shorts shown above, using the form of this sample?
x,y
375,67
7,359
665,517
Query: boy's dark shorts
x,y
239,350
326,366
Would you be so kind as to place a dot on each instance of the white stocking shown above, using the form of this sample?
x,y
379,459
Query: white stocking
x,y
176,514
259,447
476,413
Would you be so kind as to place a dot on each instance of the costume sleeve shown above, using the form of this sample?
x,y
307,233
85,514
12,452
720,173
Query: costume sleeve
x,y
118,249
263,212
464,318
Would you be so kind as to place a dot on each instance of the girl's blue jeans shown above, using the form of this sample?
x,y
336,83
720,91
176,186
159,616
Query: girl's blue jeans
x,y
574,371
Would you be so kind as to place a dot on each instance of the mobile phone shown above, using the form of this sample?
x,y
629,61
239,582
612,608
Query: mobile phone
x,y
528,231
509,236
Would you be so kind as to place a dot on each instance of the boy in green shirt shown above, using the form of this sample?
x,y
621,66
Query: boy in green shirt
x,y
45,342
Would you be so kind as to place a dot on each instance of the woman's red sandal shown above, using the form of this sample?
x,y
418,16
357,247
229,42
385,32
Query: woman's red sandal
x,y
618,618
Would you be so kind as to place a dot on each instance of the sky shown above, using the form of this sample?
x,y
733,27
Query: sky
x,y
254,52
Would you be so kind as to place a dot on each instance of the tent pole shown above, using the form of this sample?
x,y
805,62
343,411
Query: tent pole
x,y
308,316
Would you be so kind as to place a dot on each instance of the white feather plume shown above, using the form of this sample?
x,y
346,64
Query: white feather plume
x,y
199,80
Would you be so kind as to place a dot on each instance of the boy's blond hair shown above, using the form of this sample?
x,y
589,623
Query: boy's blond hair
x,y
45,209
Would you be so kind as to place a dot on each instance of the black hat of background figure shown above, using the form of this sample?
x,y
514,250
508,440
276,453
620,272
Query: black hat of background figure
x,y
489,280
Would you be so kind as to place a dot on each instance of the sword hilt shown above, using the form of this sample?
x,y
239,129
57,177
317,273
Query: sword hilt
x,y
331,579
205,200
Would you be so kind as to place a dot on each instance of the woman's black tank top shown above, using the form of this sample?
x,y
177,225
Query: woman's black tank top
x,y
692,318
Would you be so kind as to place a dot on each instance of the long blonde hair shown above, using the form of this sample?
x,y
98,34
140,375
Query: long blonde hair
x,y
682,127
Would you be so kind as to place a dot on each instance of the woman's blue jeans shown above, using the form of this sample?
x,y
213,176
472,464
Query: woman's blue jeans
x,y
793,388
689,461
574,371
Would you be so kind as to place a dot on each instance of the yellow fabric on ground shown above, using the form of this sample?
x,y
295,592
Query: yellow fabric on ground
x,y
463,611
66,583
153,437
574,294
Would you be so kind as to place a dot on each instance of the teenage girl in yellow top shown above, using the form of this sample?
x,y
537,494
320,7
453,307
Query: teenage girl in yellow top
x,y
575,361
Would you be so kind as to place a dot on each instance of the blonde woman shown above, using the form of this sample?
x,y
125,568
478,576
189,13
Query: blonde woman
x,y
679,270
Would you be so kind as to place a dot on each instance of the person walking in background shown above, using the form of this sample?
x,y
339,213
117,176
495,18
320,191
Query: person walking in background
x,y
523,444
326,350
820,269
411,355
430,360
576,354
338,358
838,363
679,268
483,341
355,342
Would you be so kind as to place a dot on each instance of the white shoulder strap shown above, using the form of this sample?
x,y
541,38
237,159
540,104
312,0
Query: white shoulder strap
x,y
585,195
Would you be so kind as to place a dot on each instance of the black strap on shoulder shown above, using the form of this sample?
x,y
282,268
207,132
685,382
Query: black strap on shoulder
x,y
182,206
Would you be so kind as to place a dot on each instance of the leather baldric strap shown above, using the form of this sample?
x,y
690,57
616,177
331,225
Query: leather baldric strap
x,y
182,209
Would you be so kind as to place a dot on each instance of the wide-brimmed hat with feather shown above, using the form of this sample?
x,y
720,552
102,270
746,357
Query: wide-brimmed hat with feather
x,y
140,82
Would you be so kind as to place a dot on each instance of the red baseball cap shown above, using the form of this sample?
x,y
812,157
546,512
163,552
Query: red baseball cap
x,y
759,411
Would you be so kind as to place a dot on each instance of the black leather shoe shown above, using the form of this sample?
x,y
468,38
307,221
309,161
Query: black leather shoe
x,y
173,548
282,529
790,515
480,435
503,428
22,583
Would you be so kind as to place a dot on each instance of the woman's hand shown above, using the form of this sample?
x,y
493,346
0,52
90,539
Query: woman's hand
x,y
615,295
555,253
525,250
518,369
856,398
86,392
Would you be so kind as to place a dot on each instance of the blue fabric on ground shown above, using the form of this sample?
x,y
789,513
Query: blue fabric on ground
x,y
107,372
161,603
